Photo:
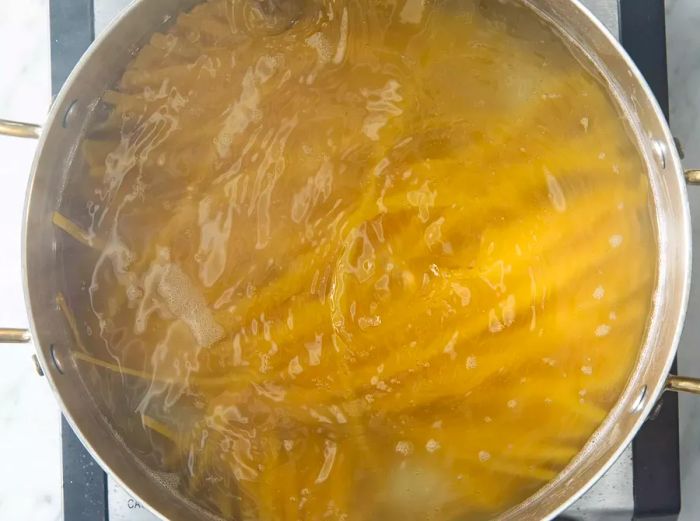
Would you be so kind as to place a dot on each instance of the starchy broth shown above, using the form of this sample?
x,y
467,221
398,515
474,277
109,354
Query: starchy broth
x,y
359,260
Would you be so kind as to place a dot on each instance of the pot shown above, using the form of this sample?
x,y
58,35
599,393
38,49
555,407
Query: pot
x,y
54,164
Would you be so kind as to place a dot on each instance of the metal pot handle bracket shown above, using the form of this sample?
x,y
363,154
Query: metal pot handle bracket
x,y
22,336
25,130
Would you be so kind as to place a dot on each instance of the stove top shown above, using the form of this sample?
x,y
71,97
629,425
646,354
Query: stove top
x,y
643,484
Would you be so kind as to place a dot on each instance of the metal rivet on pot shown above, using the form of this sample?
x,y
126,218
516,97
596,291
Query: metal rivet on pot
x,y
659,150
55,359
641,400
37,366
70,114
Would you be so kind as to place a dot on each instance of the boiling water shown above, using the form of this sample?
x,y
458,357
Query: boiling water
x,y
359,260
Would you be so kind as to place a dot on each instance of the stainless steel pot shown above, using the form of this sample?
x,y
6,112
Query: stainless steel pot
x,y
56,161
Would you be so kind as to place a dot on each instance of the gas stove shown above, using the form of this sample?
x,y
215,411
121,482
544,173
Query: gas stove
x,y
643,484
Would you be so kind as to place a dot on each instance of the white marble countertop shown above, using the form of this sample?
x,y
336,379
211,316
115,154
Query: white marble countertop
x,y
30,487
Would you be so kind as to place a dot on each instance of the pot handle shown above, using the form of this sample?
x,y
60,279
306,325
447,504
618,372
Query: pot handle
x,y
18,129
25,130
692,177
14,336
683,384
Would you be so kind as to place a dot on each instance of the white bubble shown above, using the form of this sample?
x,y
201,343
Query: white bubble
x,y
495,325
602,330
599,293
432,445
556,194
615,240
404,448
294,367
484,456
463,293
450,346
